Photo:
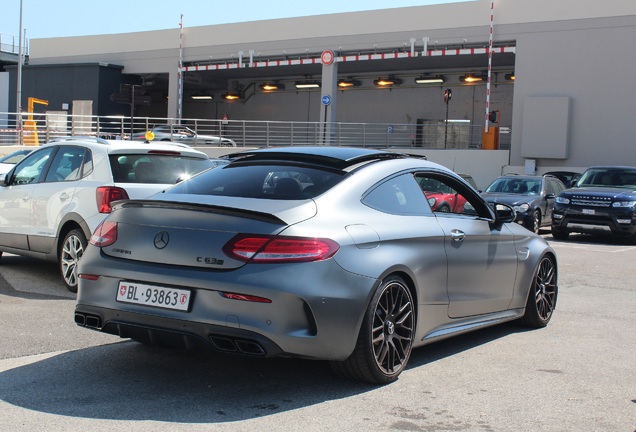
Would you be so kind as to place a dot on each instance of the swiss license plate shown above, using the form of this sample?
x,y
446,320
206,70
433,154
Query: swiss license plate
x,y
588,211
151,295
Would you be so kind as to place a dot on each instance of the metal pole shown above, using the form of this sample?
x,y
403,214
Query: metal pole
x,y
446,127
19,80
492,15
180,73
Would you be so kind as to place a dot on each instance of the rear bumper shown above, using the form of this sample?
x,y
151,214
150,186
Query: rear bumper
x,y
317,315
177,333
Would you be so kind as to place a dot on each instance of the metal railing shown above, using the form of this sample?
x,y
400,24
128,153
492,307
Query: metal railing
x,y
35,129
11,44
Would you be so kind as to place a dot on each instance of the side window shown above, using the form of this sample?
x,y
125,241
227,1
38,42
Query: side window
x,y
31,167
555,187
446,195
67,164
398,195
441,197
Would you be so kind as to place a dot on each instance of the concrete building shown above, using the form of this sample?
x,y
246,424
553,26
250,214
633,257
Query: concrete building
x,y
570,104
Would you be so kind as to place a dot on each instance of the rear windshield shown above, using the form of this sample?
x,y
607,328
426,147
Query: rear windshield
x,y
154,168
261,181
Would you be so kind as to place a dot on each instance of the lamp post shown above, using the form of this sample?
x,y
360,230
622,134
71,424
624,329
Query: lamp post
x,y
448,94
19,79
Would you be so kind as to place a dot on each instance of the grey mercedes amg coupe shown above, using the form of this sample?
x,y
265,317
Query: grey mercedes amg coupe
x,y
325,253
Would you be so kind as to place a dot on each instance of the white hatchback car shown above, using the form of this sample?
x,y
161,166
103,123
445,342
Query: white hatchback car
x,y
53,199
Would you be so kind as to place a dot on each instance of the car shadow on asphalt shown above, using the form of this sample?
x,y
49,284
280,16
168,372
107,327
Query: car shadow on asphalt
x,y
455,345
131,381
41,271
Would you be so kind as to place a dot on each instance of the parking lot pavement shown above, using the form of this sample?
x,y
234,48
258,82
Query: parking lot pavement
x,y
577,374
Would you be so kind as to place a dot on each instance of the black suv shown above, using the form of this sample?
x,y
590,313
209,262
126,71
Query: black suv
x,y
603,201
531,197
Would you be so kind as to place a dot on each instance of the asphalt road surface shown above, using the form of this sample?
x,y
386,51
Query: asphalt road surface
x,y
578,374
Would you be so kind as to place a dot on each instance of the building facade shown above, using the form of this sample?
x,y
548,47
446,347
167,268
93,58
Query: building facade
x,y
570,104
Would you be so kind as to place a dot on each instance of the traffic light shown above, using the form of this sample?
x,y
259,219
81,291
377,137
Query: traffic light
x,y
493,116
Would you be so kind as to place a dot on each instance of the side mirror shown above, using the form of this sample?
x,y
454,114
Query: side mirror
x,y
4,178
504,213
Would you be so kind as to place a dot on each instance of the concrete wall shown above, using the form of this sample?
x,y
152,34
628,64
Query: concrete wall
x,y
378,25
60,85
590,62
563,50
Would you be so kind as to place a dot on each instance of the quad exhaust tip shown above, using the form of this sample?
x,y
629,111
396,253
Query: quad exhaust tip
x,y
242,346
88,320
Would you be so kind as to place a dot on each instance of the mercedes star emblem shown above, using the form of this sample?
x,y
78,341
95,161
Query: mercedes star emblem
x,y
161,240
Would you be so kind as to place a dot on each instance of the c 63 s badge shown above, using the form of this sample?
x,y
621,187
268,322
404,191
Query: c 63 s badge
x,y
210,260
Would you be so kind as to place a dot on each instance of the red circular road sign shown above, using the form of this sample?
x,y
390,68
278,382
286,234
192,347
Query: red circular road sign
x,y
327,57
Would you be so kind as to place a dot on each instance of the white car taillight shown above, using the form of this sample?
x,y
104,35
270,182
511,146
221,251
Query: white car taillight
x,y
105,195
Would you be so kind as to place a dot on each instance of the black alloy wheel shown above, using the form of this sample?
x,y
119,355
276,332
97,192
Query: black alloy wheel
x,y
386,337
542,297
536,221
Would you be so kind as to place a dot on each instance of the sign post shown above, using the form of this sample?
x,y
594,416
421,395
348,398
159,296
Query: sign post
x,y
326,101
448,94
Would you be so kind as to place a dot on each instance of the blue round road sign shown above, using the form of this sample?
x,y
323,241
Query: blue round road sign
x,y
326,100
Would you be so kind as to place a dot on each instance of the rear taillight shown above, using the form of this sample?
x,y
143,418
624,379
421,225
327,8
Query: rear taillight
x,y
275,249
106,195
105,234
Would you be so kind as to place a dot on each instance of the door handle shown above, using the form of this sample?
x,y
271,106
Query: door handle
x,y
457,235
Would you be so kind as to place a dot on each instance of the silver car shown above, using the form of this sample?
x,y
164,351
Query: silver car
x,y
323,253
183,134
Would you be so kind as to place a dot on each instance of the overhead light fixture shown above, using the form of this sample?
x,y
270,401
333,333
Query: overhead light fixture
x,y
510,76
271,86
471,78
229,96
387,82
427,79
307,84
202,97
346,83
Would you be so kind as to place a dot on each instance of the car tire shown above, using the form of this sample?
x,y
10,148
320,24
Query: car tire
x,y
535,222
71,251
386,337
560,234
443,208
542,296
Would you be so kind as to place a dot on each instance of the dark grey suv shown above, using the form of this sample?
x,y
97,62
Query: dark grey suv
x,y
532,197
603,202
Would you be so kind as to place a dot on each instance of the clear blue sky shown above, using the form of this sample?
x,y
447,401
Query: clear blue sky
x,y
50,18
